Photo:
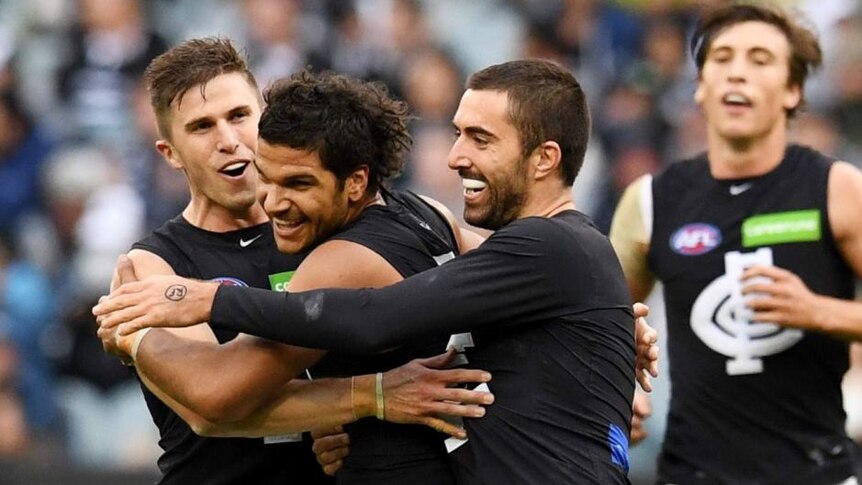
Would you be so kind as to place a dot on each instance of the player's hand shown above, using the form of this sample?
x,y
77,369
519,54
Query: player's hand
x,y
421,390
646,343
112,343
641,410
157,301
779,296
330,446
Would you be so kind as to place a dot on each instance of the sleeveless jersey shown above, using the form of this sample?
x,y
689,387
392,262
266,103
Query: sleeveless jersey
x,y
245,257
751,403
412,237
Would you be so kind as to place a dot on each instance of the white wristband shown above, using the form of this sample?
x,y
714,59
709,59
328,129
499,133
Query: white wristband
x,y
137,343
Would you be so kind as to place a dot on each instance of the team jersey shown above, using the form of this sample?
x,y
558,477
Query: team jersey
x,y
411,237
751,403
245,257
551,319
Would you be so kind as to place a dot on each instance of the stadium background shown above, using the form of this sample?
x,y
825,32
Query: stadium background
x,y
80,179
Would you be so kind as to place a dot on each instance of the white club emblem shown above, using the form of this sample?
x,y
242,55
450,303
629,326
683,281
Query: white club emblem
x,y
721,320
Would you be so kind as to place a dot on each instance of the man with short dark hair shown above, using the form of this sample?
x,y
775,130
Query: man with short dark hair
x,y
544,297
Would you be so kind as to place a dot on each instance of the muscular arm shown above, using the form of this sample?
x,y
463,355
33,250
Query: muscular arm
x,y
630,236
212,382
505,281
788,300
529,272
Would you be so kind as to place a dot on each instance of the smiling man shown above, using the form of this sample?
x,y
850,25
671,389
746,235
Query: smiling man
x,y
544,296
208,108
756,243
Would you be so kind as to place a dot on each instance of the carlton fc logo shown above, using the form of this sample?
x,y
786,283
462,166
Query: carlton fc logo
x,y
228,281
695,239
724,323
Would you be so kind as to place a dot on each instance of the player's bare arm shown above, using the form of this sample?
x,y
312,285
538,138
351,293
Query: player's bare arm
x,y
786,300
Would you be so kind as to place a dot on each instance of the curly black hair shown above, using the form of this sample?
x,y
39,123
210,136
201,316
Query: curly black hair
x,y
346,121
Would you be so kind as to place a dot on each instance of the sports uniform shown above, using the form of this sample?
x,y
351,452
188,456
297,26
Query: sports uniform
x,y
551,319
245,257
751,403
412,237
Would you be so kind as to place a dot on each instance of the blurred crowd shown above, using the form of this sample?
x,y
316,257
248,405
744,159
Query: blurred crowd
x,y
80,179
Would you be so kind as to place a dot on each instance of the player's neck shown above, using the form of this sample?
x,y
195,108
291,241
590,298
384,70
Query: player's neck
x,y
742,158
356,208
215,218
548,203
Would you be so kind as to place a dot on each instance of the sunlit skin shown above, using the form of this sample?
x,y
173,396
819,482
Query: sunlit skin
x,y
213,140
487,148
305,202
744,91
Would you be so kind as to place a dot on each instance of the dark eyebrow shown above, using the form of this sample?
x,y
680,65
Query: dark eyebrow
x,y
191,125
475,130
237,109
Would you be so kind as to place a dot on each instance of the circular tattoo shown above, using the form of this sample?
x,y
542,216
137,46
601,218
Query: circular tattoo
x,y
176,292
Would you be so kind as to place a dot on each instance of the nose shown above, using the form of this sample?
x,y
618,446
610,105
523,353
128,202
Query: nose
x,y
271,199
228,138
457,158
737,69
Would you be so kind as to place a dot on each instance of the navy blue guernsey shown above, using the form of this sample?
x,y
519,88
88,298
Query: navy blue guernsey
x,y
551,318
411,237
752,403
245,257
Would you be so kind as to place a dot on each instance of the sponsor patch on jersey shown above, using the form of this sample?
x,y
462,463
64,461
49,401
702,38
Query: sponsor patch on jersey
x,y
695,239
228,281
279,281
781,228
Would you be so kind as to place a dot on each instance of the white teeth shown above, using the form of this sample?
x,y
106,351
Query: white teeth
x,y
473,184
736,98
234,166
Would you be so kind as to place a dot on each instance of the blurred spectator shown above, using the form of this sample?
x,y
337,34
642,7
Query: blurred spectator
x,y
432,85
821,132
14,433
349,48
27,312
163,189
274,41
109,48
847,78
97,215
23,149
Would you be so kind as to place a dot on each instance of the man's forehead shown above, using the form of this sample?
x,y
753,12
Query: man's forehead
x,y
287,158
222,89
482,106
751,35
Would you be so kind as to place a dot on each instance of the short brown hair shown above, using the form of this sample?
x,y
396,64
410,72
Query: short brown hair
x,y
545,103
191,63
805,53
346,121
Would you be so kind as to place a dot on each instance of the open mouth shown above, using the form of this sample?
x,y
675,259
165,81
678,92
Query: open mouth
x,y
473,187
286,227
736,100
235,169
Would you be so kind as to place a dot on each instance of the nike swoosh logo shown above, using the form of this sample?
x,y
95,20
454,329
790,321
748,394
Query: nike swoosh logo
x,y
738,189
244,243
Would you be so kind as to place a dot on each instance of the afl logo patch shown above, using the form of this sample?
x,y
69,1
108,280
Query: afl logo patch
x,y
228,281
695,239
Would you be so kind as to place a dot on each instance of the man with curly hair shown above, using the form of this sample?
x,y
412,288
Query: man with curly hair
x,y
324,141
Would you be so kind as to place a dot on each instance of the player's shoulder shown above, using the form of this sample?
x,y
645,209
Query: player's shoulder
x,y
343,263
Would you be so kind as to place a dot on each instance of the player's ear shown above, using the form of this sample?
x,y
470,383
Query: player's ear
x,y
167,151
547,156
356,183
